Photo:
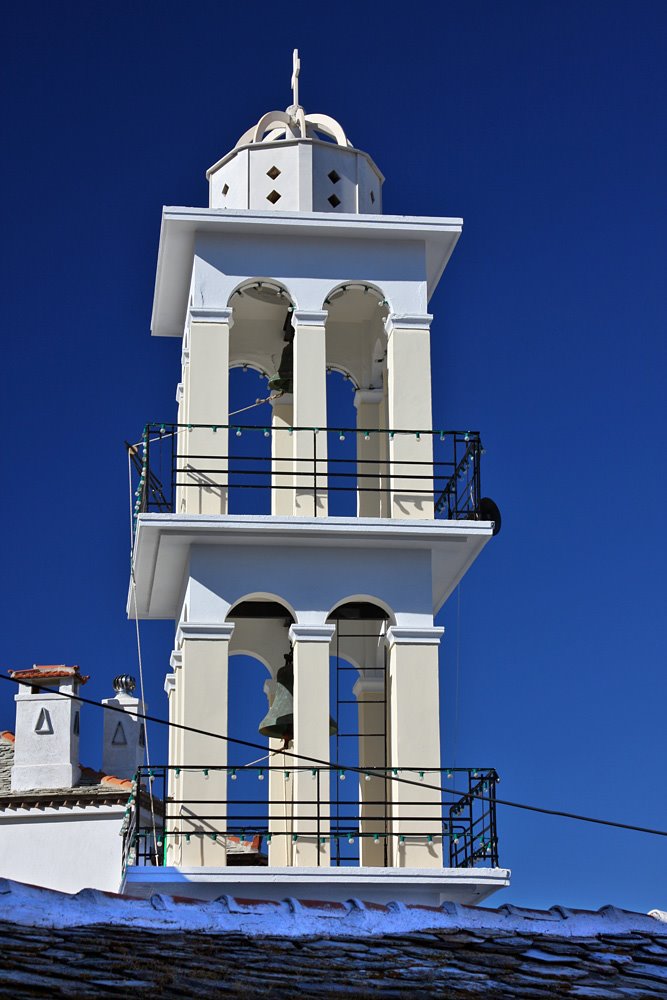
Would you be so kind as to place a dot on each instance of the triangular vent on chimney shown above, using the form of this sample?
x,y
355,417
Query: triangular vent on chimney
x,y
119,739
44,726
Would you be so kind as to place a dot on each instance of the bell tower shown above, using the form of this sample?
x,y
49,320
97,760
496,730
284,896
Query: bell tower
x,y
294,271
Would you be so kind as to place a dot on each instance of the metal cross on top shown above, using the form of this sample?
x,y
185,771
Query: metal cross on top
x,y
296,66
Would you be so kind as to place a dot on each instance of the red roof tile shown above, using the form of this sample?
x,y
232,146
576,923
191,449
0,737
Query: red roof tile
x,y
109,779
53,672
9,737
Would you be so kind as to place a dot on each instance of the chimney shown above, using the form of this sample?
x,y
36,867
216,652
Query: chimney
x,y
124,735
46,749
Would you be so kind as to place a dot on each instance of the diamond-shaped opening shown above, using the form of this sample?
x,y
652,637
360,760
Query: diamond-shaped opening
x,y
334,200
273,173
225,189
273,197
334,176
372,197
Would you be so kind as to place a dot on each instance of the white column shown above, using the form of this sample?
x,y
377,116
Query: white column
x,y
204,696
204,474
310,411
368,403
172,685
280,798
181,433
409,409
415,746
311,738
369,691
282,452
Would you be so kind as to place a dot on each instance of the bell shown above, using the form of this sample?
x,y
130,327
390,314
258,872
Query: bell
x,y
279,720
282,381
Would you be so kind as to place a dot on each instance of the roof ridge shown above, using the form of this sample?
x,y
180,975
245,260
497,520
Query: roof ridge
x,y
298,918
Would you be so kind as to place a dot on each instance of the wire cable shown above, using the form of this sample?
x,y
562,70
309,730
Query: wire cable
x,y
332,765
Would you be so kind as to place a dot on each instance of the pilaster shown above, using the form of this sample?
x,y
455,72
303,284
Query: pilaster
x,y
369,690
415,745
281,794
409,409
371,452
203,483
282,455
310,411
311,739
203,703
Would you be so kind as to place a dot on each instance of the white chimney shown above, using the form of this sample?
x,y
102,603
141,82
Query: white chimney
x,y
46,749
124,734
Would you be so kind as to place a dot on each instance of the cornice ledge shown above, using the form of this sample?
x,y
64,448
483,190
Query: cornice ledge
x,y
406,321
369,685
309,317
204,630
169,684
401,636
371,397
311,633
210,314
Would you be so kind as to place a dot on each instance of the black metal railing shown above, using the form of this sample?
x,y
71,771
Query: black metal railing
x,y
462,819
170,461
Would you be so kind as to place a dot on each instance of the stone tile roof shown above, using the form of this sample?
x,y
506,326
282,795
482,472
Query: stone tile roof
x,y
93,786
98,944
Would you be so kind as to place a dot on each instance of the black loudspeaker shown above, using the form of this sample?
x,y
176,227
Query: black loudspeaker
x,y
488,511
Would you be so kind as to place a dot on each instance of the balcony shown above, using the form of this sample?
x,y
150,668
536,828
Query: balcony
x,y
240,468
355,824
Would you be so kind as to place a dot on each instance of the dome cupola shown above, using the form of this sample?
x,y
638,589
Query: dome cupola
x,y
294,162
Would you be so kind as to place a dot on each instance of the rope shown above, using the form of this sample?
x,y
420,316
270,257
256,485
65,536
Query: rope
x,y
133,588
458,674
334,766
234,413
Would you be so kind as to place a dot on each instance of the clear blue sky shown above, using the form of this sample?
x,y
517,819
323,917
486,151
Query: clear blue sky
x,y
542,124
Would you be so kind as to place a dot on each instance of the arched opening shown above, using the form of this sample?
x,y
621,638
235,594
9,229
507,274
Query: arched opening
x,y
249,441
356,347
260,359
359,703
258,648
342,444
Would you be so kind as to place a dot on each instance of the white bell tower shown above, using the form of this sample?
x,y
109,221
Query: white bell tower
x,y
294,271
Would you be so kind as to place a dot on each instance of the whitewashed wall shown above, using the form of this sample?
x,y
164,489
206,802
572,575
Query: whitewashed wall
x,y
65,849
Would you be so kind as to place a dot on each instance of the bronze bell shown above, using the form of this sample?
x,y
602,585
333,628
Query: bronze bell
x,y
282,381
279,720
